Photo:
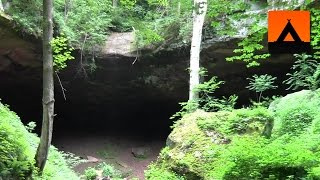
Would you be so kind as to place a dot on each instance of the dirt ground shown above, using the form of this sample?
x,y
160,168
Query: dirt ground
x,y
112,149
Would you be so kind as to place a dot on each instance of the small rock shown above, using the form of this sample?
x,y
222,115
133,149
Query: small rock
x,y
140,152
92,159
169,142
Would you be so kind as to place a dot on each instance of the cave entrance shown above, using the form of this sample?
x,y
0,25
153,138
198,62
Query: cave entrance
x,y
117,97
105,115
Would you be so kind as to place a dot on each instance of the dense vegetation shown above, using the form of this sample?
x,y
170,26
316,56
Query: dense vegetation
x,y
272,139
238,144
17,150
157,24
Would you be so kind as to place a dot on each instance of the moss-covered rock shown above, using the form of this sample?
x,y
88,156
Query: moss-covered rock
x,y
17,151
297,112
252,143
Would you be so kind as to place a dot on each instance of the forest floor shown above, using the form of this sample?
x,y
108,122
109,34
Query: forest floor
x,y
112,149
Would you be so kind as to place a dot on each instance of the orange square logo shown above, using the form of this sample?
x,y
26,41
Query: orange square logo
x,y
289,31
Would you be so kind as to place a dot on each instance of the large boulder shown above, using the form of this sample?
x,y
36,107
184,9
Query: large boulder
x,y
297,112
259,143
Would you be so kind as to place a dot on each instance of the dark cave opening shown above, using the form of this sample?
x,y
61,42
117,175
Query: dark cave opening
x,y
119,98
149,118
110,105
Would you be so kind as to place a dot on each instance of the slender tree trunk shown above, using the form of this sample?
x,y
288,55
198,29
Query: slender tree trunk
x,y
48,87
199,14
179,8
1,6
114,3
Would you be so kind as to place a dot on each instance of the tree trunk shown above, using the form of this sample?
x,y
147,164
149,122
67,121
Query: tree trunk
x,y
48,87
179,8
1,6
114,3
199,14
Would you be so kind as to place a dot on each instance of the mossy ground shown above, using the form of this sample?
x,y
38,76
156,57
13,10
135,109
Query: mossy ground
x,y
17,151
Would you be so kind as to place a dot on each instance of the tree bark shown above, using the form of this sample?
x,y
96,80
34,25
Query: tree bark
x,y
48,87
114,3
179,8
199,13
1,6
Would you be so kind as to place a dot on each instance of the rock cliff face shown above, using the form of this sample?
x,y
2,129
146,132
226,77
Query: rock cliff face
x,y
17,49
123,89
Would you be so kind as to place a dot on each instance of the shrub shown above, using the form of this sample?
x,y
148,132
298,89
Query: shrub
x,y
261,83
245,143
206,100
109,171
250,157
155,173
306,73
297,112
90,173
17,151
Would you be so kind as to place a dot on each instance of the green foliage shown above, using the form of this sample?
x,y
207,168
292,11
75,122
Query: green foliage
x,y
158,23
17,151
28,16
224,15
164,25
108,152
206,100
128,4
186,107
71,159
90,173
251,49
261,83
158,2
58,166
250,157
239,121
94,17
147,36
84,22
249,46
120,21
155,173
61,52
297,112
315,32
110,171
306,73
237,145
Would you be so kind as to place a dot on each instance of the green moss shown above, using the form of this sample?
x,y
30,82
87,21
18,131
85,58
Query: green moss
x,y
297,112
234,145
17,151
156,173
239,121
